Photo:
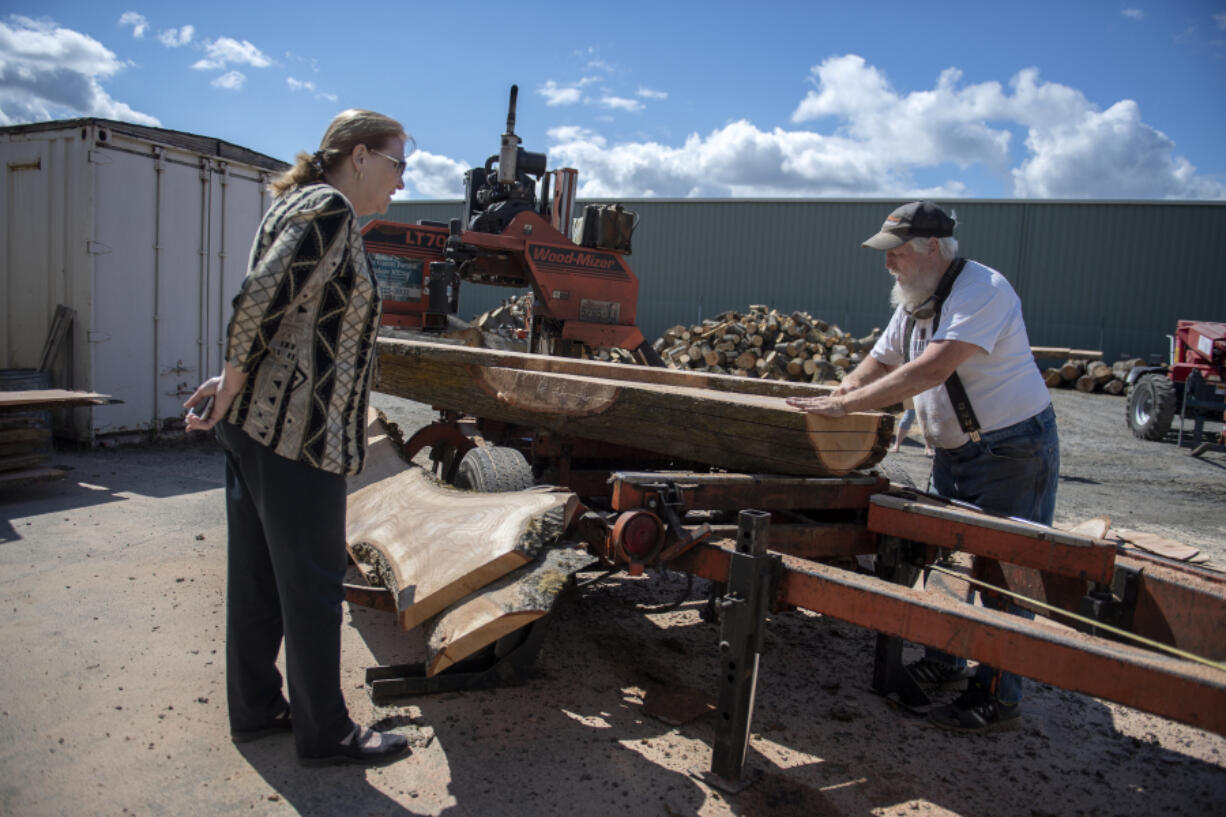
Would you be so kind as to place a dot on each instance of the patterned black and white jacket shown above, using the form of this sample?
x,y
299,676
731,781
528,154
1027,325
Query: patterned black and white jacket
x,y
304,328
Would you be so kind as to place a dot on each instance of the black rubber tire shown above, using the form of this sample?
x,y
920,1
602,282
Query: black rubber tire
x,y
493,469
1151,406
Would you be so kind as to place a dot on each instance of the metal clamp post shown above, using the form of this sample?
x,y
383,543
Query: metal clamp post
x,y
751,581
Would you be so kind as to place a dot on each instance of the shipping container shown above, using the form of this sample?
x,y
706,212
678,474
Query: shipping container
x,y
144,233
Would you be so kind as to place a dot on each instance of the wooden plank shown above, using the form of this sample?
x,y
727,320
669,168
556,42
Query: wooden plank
x,y
50,398
61,323
431,545
1063,352
512,602
720,427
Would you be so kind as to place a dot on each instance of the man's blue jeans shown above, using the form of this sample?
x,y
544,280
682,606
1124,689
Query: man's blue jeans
x,y
1014,471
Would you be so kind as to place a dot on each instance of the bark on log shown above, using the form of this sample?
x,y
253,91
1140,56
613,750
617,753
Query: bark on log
x,y
1072,370
432,545
514,601
706,418
1099,371
1085,383
1121,368
1114,387
1053,377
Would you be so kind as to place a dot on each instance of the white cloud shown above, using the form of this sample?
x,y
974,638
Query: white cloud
x,y
854,135
1220,19
648,93
560,95
1135,14
618,103
224,50
307,85
138,22
49,72
231,81
174,38
973,125
434,177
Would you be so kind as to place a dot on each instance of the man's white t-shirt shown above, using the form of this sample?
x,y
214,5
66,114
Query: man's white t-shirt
x,y
1001,379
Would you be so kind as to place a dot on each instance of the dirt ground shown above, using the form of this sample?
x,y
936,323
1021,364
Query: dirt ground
x,y
112,695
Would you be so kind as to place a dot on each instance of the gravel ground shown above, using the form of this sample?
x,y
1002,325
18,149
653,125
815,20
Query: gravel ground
x,y
112,584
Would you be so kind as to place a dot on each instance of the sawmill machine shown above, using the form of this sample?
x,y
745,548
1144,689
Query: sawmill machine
x,y
517,231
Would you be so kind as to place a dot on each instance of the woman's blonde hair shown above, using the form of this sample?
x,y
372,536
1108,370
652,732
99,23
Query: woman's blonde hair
x,y
348,130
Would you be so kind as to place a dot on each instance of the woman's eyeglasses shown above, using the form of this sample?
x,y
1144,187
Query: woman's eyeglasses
x,y
400,164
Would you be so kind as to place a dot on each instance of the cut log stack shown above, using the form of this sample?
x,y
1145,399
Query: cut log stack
x,y
1091,375
765,344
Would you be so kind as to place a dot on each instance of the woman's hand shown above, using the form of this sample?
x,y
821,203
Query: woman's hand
x,y
205,396
828,405
222,390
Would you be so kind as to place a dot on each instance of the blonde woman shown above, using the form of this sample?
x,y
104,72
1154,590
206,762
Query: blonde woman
x,y
290,413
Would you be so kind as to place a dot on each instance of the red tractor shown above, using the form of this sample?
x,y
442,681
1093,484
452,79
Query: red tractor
x,y
1192,385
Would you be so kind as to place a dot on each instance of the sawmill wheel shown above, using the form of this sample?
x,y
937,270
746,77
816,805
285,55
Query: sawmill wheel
x,y
491,469
1151,406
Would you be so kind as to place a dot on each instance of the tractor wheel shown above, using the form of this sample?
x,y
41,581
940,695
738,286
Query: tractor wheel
x,y
491,469
1151,406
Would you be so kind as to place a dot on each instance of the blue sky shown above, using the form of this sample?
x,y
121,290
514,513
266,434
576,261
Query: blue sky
x,y
1093,100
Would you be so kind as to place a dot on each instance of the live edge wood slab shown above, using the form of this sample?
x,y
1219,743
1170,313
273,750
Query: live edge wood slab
x,y
736,423
432,545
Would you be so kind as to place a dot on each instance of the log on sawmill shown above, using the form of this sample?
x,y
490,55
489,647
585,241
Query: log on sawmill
x,y
514,601
700,417
432,545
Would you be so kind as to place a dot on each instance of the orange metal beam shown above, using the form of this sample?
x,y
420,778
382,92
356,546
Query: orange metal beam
x,y
1181,690
816,540
1006,540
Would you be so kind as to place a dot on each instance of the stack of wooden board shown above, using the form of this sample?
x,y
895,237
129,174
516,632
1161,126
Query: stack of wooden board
x,y
468,567
724,421
25,432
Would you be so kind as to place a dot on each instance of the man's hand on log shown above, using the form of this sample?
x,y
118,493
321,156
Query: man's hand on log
x,y
828,405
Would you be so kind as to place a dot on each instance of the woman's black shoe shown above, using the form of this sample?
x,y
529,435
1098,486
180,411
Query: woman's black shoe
x,y
363,746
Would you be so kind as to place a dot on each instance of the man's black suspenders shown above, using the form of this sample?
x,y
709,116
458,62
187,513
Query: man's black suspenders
x,y
953,385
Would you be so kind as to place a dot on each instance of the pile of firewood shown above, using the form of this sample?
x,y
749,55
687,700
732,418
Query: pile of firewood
x,y
1091,375
765,344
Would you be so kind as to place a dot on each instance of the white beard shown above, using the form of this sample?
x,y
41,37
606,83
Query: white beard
x,y
913,294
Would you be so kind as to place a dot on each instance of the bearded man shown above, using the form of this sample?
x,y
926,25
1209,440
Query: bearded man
x,y
958,346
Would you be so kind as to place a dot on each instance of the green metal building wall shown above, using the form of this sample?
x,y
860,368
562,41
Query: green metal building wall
x,y
1104,275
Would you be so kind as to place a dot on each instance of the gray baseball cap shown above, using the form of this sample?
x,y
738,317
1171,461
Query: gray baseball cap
x,y
918,219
